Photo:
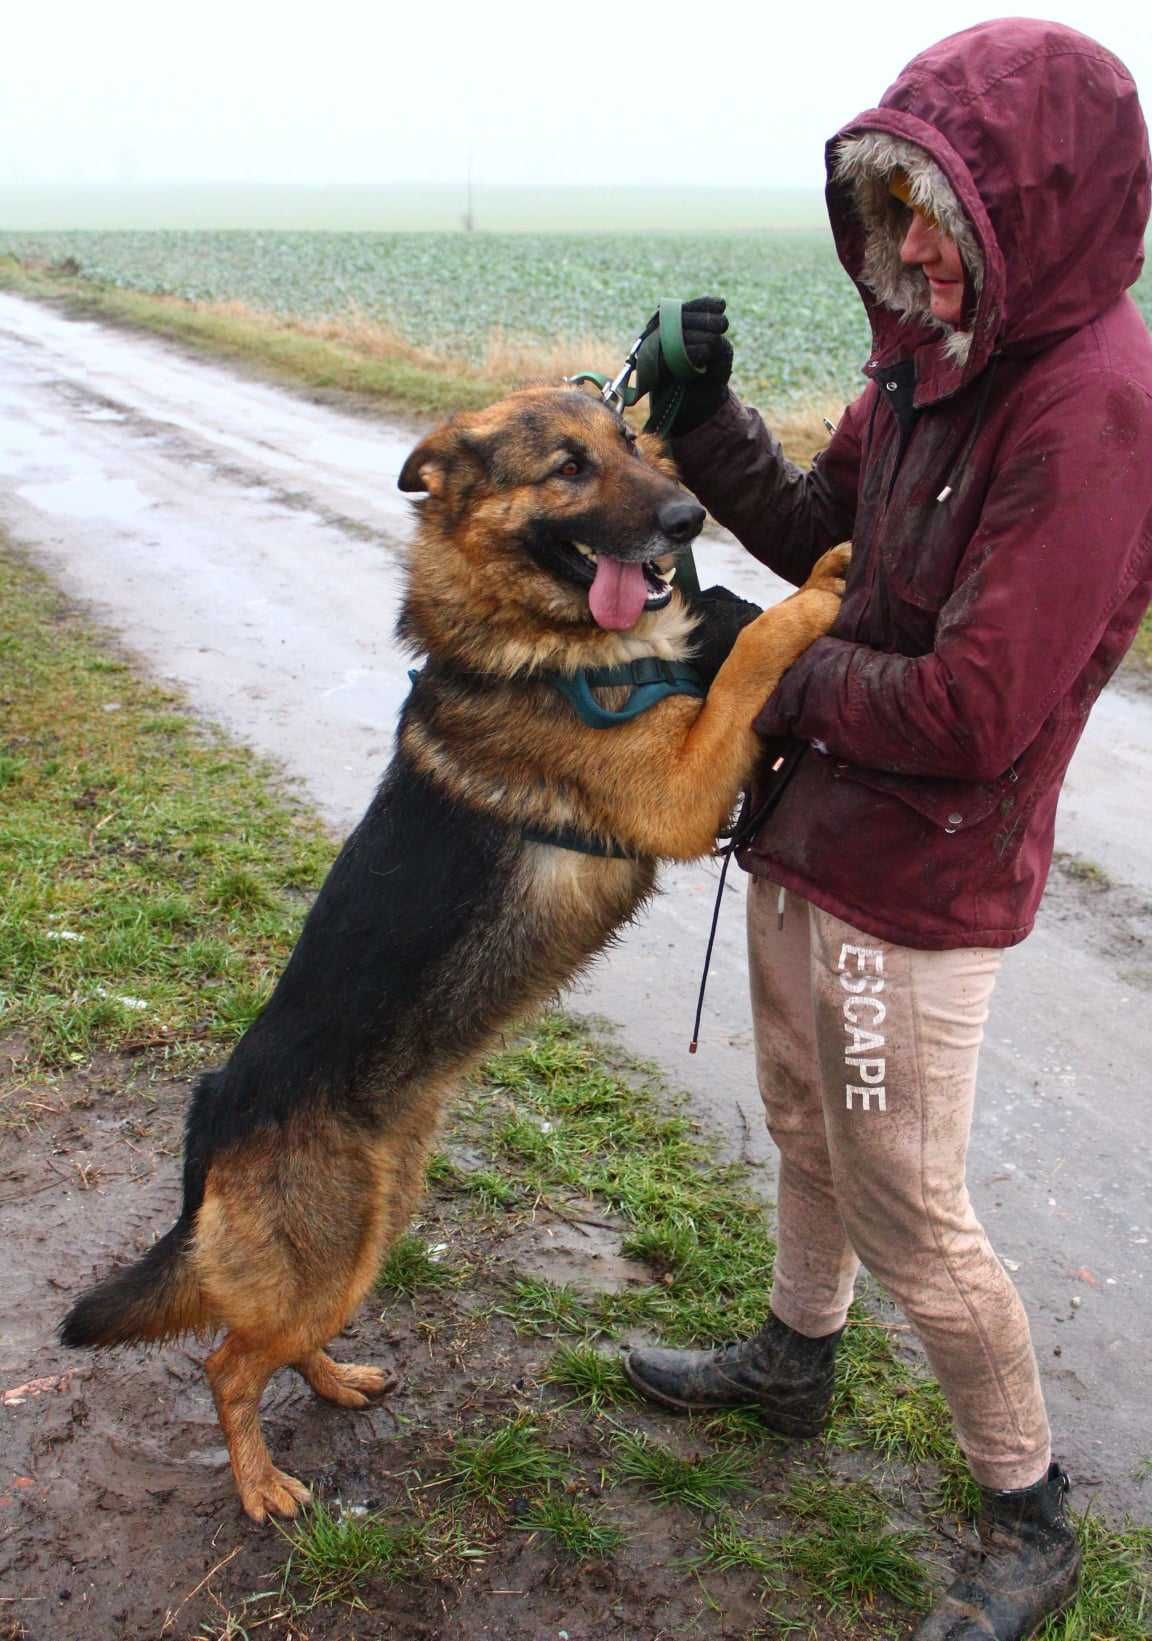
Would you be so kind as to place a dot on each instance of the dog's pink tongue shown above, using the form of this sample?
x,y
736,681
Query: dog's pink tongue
x,y
618,595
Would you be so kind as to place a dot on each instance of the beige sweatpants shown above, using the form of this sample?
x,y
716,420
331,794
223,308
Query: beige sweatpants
x,y
866,1056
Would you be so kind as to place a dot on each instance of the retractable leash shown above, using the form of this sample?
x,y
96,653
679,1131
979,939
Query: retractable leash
x,y
660,343
662,340
749,823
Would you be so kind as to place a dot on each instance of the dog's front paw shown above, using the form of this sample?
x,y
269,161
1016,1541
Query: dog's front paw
x,y
829,571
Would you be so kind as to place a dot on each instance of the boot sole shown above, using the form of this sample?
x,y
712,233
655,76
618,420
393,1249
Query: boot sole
x,y
779,1426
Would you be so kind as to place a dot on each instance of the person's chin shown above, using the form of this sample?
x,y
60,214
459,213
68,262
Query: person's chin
x,y
946,306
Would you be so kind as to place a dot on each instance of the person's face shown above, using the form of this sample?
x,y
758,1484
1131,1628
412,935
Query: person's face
x,y
928,248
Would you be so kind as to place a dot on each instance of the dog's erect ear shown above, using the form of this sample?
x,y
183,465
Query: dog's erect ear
x,y
447,451
426,466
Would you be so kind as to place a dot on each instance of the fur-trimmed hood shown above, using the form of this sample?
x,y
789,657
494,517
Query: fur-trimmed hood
x,y
1026,141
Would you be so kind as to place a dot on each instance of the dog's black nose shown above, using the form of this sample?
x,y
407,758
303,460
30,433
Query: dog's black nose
x,y
681,521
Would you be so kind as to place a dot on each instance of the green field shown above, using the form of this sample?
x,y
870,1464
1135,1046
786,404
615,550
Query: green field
x,y
798,327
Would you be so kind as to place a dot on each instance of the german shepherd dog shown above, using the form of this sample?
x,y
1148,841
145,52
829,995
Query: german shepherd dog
x,y
465,896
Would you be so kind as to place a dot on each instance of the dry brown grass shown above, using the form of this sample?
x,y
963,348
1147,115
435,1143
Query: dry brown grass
x,y
507,360
507,354
801,429
371,337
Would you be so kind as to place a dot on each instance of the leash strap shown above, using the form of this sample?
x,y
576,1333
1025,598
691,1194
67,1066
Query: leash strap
x,y
670,330
647,669
662,353
567,837
664,407
727,853
743,832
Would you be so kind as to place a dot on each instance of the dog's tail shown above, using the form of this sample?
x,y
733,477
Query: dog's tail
x,y
158,1297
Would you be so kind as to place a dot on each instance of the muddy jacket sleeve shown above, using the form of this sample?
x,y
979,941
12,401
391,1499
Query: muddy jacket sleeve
x,y
784,516
1064,543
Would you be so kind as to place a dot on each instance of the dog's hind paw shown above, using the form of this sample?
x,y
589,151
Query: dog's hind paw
x,y
344,1383
272,1492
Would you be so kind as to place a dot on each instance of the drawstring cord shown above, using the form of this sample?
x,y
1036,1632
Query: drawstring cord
x,y
782,768
961,461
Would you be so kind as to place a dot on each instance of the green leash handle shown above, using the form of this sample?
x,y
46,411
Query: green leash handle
x,y
670,330
665,407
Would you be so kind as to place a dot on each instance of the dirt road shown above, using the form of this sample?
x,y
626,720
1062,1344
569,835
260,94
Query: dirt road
x,y
243,541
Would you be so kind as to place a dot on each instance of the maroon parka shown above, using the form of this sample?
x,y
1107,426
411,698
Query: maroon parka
x,y
1002,543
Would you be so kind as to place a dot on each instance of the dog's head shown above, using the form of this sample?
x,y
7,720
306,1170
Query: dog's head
x,y
553,511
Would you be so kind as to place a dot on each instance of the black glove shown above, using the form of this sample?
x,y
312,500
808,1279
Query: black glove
x,y
704,323
723,618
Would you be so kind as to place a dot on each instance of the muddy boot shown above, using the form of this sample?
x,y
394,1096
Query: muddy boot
x,y
785,1375
1027,1567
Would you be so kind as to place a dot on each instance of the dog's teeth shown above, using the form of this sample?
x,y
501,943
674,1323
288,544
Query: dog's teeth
x,y
587,551
668,575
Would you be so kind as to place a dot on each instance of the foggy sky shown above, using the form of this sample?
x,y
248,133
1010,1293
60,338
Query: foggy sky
x,y
588,92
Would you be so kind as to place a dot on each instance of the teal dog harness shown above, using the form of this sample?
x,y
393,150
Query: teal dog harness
x,y
649,679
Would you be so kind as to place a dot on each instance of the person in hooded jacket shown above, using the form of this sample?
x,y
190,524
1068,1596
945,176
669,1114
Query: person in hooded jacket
x,y
995,480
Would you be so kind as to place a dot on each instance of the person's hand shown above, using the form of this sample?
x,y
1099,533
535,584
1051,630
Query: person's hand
x,y
704,323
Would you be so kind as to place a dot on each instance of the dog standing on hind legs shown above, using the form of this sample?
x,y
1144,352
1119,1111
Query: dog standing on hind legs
x,y
517,829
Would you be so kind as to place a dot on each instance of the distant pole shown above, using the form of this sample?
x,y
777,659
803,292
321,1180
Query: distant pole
x,y
469,216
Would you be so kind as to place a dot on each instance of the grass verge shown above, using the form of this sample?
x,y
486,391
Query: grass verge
x,y
154,880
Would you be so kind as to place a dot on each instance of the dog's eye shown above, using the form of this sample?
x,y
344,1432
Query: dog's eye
x,y
570,469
